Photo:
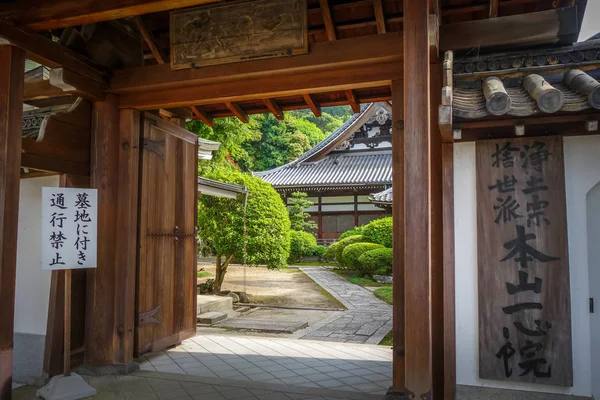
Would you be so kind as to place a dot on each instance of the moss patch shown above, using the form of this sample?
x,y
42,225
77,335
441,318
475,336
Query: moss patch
x,y
204,274
388,340
385,294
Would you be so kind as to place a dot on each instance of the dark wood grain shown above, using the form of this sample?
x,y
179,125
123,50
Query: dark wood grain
x,y
12,65
417,205
494,274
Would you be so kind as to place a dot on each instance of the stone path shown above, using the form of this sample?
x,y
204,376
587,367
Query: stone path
x,y
351,368
367,319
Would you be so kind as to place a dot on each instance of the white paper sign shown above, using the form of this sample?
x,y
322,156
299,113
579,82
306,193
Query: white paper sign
x,y
69,228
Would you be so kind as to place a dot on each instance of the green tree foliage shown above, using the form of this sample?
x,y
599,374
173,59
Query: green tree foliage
x,y
352,232
220,222
299,218
353,251
302,244
379,231
376,262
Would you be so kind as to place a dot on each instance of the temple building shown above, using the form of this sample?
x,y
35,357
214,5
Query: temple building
x,y
339,173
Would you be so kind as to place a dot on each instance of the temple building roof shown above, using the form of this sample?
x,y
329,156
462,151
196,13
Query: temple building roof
x,y
383,198
358,154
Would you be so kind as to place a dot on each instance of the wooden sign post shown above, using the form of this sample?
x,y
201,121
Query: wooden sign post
x,y
69,241
523,263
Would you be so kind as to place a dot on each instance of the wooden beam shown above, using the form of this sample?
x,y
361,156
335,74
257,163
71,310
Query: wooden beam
x,y
150,41
353,101
398,363
312,104
12,67
238,111
202,115
57,14
374,49
274,108
493,8
76,84
327,20
559,26
448,284
379,16
417,278
49,53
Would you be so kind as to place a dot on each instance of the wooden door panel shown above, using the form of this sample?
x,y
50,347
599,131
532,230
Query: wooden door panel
x,y
166,289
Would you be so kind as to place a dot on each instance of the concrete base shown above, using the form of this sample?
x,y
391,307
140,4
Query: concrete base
x,y
224,304
464,392
211,317
263,325
394,395
104,370
71,387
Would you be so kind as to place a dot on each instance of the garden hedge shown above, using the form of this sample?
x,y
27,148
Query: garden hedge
x,y
352,253
379,231
376,262
302,244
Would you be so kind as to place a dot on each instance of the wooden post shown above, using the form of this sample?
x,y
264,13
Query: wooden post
x,y
67,329
110,305
417,265
12,67
398,229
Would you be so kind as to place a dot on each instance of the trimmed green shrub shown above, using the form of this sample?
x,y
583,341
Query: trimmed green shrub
x,y
379,231
376,262
341,245
352,232
319,251
330,252
302,244
352,252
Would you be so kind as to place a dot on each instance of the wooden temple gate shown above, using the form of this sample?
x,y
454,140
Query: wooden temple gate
x,y
371,62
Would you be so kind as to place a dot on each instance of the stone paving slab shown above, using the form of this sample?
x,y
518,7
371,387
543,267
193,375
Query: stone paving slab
x,y
263,325
352,368
367,320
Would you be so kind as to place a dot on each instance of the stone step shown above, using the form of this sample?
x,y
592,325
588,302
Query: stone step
x,y
255,324
207,303
211,317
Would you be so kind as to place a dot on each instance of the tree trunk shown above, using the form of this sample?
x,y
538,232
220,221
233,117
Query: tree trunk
x,y
220,272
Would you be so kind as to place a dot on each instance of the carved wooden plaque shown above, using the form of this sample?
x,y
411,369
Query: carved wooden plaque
x,y
238,31
523,263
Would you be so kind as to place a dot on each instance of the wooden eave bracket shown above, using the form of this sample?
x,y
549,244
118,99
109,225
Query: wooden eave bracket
x,y
77,85
445,108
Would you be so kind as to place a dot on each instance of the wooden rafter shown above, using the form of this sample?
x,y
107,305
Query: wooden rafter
x,y
353,101
56,14
274,108
150,41
379,16
203,115
328,21
493,8
310,102
238,111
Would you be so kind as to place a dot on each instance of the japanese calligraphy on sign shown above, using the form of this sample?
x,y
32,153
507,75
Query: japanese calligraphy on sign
x,y
69,225
523,264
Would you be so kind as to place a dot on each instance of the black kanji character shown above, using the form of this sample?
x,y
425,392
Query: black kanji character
x,y
58,239
80,230
533,364
536,211
524,252
524,285
81,243
58,200
535,155
82,201
57,219
506,352
506,209
506,185
538,331
504,155
522,307
533,185
81,258
82,216
57,260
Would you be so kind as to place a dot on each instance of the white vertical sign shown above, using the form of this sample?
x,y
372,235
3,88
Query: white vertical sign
x,y
69,228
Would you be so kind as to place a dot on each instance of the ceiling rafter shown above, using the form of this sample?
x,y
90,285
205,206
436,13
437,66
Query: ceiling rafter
x,y
150,41
379,16
274,108
238,111
311,103
328,21
353,101
203,115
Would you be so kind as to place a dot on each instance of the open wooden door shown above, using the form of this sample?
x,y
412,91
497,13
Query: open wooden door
x,y
166,271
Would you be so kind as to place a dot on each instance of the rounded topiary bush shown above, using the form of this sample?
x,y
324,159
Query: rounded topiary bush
x,y
342,244
352,232
319,251
352,253
379,231
376,262
330,252
302,244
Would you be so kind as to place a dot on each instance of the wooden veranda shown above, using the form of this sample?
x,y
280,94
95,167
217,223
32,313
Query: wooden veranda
x,y
360,51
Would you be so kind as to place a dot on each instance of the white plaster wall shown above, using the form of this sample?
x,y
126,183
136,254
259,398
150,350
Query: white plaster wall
x,y
582,171
33,284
